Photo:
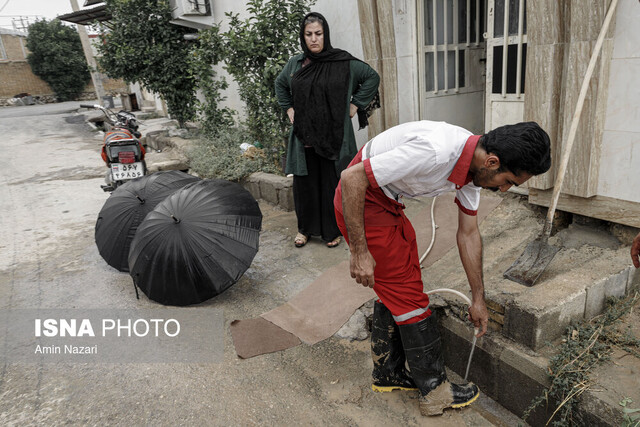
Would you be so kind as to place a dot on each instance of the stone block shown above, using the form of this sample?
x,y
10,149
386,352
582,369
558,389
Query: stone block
x,y
275,189
457,337
534,327
545,22
253,188
504,371
522,378
616,285
285,198
155,139
268,192
594,303
168,165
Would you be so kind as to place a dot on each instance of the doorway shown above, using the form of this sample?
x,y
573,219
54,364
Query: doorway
x,y
451,61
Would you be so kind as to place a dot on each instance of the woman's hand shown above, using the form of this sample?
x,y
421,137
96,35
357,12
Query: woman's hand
x,y
352,111
290,113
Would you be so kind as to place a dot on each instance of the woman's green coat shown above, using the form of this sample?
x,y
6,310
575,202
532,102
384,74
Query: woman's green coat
x,y
363,85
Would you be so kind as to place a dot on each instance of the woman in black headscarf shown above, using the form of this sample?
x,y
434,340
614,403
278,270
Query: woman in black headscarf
x,y
321,89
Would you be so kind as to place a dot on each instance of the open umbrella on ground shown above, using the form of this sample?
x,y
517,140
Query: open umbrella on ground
x,y
125,209
196,243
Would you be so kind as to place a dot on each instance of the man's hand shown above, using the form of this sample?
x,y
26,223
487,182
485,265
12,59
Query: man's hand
x,y
352,110
362,266
290,113
635,251
479,316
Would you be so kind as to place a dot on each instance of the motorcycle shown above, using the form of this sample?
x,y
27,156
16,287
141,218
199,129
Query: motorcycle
x,y
121,150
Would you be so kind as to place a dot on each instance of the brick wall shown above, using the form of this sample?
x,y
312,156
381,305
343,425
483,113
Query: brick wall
x,y
16,75
15,47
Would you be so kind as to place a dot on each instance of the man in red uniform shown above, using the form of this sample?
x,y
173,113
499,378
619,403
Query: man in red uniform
x,y
416,159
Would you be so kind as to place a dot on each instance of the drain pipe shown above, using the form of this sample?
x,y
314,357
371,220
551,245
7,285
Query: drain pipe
x,y
446,290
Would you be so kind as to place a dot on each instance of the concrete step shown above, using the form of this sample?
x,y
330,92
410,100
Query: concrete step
x,y
513,375
510,363
573,287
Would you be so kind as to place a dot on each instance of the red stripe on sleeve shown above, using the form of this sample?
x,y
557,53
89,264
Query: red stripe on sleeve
x,y
465,210
369,172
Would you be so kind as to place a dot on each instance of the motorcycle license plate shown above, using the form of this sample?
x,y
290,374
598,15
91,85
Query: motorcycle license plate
x,y
123,172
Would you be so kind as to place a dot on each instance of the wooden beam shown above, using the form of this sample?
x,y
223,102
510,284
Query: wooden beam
x,y
601,207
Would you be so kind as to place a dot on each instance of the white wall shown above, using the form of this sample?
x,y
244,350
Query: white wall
x,y
405,21
619,176
219,8
344,22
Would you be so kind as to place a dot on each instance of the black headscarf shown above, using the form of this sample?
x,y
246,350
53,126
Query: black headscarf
x,y
320,92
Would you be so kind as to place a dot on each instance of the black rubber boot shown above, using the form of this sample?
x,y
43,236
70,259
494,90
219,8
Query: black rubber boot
x,y
423,351
389,372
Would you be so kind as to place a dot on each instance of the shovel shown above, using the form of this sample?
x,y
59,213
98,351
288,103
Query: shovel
x,y
538,254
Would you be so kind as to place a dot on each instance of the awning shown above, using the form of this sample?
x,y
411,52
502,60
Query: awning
x,y
87,16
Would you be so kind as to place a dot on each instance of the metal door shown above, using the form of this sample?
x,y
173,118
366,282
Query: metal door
x,y
506,58
451,58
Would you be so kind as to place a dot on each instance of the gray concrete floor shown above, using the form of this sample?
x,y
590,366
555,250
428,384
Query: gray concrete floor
x,y
50,176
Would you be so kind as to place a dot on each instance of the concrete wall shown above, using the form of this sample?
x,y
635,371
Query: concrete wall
x,y
619,175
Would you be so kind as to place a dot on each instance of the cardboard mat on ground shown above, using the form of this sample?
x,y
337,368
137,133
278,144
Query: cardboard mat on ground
x,y
319,311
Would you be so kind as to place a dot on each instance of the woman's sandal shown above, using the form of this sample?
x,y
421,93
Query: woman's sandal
x,y
300,240
335,242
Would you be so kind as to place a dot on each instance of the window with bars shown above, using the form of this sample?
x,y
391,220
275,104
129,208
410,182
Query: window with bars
x,y
450,29
510,50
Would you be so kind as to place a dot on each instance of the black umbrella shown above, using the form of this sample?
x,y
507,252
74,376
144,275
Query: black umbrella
x,y
125,209
196,243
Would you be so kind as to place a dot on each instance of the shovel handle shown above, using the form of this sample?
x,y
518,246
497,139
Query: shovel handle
x,y
564,159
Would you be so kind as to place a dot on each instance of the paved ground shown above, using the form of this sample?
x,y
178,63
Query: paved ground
x,y
50,176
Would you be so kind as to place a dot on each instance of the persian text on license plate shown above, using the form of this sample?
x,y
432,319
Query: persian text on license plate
x,y
122,171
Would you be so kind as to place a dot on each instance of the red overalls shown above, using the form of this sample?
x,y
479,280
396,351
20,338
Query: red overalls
x,y
391,240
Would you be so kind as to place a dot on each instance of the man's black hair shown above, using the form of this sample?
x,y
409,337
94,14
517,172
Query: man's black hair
x,y
523,147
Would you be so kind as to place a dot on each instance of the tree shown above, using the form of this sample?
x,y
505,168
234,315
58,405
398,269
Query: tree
x,y
257,49
56,56
144,46
206,53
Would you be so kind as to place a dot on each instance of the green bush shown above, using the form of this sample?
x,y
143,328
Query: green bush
x,y
207,52
57,58
143,46
257,49
221,156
